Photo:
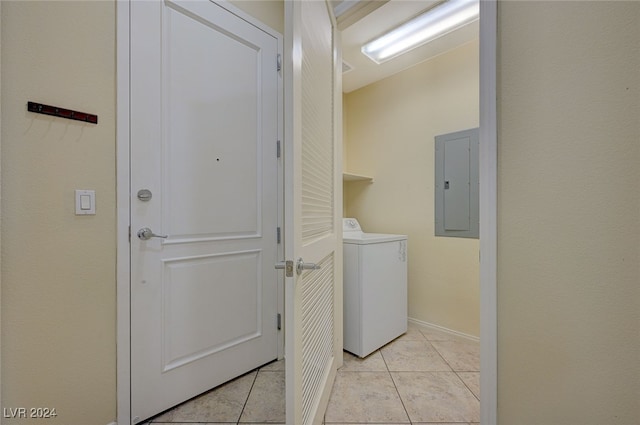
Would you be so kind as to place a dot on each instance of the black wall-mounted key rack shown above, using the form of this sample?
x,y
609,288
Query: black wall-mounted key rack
x,y
55,111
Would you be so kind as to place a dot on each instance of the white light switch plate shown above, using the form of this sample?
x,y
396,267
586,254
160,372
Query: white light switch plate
x,y
85,202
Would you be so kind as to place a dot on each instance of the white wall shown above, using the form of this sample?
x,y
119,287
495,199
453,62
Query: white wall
x,y
569,213
390,130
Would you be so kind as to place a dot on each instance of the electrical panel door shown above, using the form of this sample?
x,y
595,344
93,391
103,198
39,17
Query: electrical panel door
x,y
456,178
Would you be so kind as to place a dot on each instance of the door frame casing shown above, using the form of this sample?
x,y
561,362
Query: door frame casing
x,y
488,168
123,261
123,190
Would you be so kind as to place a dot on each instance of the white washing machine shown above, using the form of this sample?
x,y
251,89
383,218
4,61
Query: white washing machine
x,y
375,288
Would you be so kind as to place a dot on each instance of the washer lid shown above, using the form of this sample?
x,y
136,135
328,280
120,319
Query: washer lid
x,y
361,238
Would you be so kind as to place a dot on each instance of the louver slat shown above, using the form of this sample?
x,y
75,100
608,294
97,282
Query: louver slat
x,y
317,332
317,137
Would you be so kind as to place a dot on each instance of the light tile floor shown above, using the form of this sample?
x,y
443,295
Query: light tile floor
x,y
424,377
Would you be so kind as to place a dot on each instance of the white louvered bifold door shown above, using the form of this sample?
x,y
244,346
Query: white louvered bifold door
x,y
313,231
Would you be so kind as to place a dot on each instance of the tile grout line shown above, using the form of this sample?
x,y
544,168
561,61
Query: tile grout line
x,y
396,387
453,370
451,367
441,356
248,395
465,384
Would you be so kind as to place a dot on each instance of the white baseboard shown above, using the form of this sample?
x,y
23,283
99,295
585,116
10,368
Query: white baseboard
x,y
442,329
113,423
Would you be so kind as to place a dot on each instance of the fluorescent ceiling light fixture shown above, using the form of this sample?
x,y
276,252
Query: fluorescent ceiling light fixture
x,y
422,29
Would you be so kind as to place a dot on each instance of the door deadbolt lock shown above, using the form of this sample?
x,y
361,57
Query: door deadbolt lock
x,y
145,195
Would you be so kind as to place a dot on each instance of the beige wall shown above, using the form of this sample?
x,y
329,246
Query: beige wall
x,y
58,269
390,134
569,213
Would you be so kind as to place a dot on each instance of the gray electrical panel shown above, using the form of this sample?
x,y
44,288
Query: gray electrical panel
x,y
457,184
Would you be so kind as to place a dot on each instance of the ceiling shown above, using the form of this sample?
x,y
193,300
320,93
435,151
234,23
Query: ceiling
x,y
364,20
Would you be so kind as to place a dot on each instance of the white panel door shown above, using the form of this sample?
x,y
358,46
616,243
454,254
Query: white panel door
x,y
203,145
313,211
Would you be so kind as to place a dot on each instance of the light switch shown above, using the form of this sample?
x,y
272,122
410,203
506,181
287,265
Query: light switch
x,y
85,202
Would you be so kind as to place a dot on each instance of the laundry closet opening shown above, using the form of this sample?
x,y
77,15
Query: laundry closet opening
x,y
389,127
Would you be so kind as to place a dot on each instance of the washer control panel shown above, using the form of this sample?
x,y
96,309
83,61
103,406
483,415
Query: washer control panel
x,y
350,225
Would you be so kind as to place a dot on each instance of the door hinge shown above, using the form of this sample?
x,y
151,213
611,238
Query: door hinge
x,y
278,233
129,234
279,62
279,321
278,149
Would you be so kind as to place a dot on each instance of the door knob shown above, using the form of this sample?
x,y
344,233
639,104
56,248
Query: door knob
x,y
301,265
145,234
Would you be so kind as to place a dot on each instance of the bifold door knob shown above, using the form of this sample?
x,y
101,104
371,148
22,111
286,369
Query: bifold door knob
x,y
301,265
